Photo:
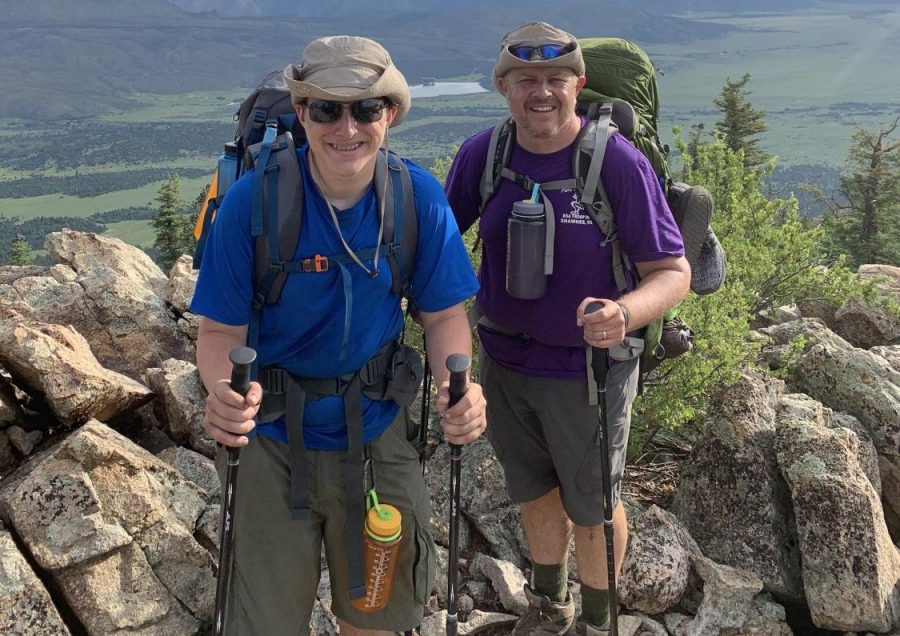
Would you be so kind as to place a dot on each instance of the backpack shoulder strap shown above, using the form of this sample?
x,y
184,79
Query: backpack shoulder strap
x,y
499,149
587,161
393,189
276,218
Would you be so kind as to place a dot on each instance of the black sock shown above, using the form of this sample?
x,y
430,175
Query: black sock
x,y
595,606
551,581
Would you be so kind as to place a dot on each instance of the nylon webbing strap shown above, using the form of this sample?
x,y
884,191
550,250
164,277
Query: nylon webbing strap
x,y
286,395
550,234
601,135
596,202
488,176
256,217
295,402
408,238
386,194
290,207
591,380
347,285
356,508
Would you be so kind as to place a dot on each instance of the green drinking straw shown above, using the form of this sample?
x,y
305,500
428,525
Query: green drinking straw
x,y
534,192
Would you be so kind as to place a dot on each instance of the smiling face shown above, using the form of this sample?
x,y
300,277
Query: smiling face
x,y
542,103
344,150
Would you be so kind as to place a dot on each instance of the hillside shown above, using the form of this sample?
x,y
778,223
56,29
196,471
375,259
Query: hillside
x,y
350,8
79,60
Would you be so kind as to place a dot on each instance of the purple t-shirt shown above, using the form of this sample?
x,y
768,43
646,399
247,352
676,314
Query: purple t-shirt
x,y
582,264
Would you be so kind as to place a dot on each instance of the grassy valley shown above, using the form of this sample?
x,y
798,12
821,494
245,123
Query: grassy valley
x,y
816,75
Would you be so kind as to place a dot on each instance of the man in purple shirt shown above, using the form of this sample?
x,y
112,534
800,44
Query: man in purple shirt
x,y
534,369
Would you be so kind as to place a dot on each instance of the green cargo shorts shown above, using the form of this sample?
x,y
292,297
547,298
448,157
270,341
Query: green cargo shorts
x,y
277,559
546,435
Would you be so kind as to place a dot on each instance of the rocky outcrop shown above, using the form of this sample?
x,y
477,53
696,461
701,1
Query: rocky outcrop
x,y
107,291
25,605
790,496
56,362
114,527
852,381
862,324
732,499
180,411
822,468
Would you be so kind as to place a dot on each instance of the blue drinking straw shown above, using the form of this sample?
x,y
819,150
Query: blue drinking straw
x,y
534,192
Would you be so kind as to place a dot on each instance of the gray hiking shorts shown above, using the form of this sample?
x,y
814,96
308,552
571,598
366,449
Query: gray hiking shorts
x,y
277,560
546,435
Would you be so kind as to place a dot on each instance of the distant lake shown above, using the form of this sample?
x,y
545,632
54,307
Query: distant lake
x,y
439,89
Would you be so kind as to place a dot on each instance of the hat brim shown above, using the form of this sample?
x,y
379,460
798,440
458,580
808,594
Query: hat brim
x,y
391,85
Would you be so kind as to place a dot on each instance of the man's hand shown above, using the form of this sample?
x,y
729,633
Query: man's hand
x,y
603,328
466,420
229,415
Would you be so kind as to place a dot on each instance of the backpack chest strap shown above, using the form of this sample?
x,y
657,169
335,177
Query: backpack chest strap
x,y
550,214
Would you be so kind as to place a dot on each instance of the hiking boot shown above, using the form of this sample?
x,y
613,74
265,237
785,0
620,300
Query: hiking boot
x,y
545,617
583,628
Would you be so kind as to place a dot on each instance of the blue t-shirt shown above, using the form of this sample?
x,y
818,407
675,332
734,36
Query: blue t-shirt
x,y
304,331
582,258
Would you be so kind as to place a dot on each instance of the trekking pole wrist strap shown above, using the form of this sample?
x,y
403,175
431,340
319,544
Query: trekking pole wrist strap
x,y
624,311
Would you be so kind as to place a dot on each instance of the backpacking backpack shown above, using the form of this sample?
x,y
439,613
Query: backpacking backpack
x,y
621,95
266,138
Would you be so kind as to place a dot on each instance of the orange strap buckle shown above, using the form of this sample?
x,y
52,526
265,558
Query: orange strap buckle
x,y
317,263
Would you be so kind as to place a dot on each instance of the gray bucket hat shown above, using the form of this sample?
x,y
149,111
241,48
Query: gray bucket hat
x,y
347,68
536,34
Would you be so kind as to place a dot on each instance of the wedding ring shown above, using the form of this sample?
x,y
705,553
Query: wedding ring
x,y
603,337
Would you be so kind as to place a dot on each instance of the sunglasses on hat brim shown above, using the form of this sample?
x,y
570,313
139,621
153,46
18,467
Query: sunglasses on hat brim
x,y
540,52
365,111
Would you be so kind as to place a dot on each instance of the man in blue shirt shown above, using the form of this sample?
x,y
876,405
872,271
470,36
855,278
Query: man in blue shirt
x,y
331,325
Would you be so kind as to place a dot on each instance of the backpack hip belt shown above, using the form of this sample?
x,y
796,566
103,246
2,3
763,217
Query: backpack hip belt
x,y
392,373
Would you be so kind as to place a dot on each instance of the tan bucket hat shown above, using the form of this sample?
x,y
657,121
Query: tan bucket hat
x,y
536,34
347,68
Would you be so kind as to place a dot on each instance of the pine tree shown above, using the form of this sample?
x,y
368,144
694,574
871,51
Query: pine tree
x,y
20,252
863,217
171,224
741,122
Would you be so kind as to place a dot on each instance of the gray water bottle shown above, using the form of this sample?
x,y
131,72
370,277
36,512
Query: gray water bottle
x,y
525,240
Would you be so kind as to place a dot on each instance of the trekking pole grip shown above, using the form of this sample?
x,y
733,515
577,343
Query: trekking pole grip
x,y
457,364
242,359
598,356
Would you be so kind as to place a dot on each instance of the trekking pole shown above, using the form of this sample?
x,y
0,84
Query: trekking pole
x,y
599,366
457,364
242,358
425,413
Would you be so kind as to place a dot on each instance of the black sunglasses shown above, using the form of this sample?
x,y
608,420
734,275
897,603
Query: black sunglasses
x,y
542,52
365,111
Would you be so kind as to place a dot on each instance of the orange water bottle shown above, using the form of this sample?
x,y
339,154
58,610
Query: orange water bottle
x,y
382,539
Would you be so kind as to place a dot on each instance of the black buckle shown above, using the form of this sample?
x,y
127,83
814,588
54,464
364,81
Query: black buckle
x,y
259,299
368,374
259,117
526,182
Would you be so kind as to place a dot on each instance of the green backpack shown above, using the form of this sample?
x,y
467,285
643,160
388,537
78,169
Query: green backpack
x,y
620,95
620,71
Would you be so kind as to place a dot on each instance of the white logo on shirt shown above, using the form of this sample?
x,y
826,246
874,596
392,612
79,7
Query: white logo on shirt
x,y
575,214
